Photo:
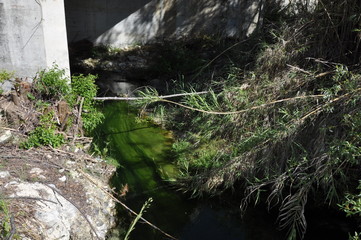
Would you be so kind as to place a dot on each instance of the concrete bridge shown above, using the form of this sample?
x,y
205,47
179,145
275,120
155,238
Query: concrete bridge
x,y
34,34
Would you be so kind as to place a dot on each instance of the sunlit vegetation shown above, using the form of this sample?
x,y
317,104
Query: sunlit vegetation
x,y
282,119
66,105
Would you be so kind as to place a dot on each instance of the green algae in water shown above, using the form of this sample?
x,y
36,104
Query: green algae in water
x,y
142,151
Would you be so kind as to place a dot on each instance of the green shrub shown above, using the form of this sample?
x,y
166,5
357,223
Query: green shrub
x,y
84,86
52,83
5,75
5,226
45,134
51,86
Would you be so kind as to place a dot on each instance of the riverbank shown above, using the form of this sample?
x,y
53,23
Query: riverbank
x,y
49,192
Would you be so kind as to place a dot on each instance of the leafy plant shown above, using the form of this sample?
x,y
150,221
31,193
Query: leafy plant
x,y
49,88
5,75
52,83
84,87
44,134
5,226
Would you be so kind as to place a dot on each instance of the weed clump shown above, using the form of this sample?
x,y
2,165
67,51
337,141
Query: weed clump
x,y
45,134
52,84
84,87
67,106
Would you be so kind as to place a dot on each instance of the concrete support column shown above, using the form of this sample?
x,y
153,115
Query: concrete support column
x,y
32,36
55,37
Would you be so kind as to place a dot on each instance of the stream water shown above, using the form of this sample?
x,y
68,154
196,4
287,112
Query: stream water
x,y
143,151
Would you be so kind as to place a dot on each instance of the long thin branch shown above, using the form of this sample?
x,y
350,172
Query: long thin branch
x,y
243,110
125,206
150,97
78,119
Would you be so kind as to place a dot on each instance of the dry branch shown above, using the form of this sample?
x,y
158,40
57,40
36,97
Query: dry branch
x,y
78,119
125,206
145,98
243,110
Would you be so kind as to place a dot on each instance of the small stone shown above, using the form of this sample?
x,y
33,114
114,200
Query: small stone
x,y
5,136
61,170
10,183
62,179
99,223
36,171
49,156
53,186
4,174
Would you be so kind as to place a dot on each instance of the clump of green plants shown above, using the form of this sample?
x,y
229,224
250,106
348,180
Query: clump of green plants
x,y
45,134
52,83
5,75
67,106
5,226
83,87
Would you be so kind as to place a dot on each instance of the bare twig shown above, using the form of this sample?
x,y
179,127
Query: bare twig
x,y
299,69
319,109
145,98
243,110
78,119
124,205
74,155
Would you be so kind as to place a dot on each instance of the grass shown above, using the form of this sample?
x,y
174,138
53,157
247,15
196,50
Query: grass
x,y
5,220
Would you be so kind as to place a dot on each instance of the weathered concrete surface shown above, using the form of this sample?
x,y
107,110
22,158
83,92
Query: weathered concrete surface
x,y
32,36
112,22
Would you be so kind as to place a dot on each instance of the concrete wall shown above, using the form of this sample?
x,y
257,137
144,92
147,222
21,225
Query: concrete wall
x,y
120,23
32,36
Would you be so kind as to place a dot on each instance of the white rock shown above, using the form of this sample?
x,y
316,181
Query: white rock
x,y
36,171
9,184
5,136
62,179
4,174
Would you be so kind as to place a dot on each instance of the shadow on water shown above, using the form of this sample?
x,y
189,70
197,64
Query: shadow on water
x,y
143,151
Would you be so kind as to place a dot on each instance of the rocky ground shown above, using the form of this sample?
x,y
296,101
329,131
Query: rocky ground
x,y
48,193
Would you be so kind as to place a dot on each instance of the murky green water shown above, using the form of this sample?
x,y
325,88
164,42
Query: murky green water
x,y
143,151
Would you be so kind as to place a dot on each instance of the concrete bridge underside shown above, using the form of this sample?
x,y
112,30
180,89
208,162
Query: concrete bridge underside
x,y
34,34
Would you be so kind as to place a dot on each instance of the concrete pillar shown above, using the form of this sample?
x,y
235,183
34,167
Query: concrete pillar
x,y
32,36
55,37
